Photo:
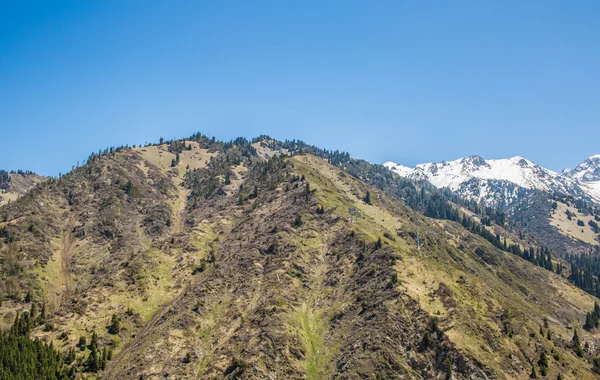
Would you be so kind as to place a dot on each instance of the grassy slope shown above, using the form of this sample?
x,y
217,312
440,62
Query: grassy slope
x,y
87,278
479,290
314,308
570,228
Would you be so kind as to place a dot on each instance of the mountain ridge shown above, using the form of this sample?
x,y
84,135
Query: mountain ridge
x,y
199,258
517,170
529,193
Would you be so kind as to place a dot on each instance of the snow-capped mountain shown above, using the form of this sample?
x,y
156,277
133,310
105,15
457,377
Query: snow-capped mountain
x,y
501,182
587,171
588,175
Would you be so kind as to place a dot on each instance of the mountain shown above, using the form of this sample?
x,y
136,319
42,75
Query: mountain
x,y
15,184
528,192
467,175
588,175
264,259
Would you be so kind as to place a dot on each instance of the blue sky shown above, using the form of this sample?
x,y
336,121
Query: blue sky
x,y
408,81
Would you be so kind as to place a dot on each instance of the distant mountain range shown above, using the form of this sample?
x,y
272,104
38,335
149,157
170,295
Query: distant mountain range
x,y
501,182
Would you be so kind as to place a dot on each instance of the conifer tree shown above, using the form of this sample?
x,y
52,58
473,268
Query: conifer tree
x,y
70,356
543,362
577,344
367,198
33,313
92,362
115,325
42,318
103,359
94,342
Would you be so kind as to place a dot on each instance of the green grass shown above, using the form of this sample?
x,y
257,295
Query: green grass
x,y
312,327
155,280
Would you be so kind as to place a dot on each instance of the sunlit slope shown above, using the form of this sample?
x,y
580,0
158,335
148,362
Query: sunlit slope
x,y
223,264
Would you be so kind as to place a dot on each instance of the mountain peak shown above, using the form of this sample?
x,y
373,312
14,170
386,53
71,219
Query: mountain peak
x,y
474,160
512,171
521,161
587,171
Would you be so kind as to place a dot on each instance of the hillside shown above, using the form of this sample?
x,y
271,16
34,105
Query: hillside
x,y
227,260
13,185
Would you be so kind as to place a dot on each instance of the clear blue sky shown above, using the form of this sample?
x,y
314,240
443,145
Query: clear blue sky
x,y
408,81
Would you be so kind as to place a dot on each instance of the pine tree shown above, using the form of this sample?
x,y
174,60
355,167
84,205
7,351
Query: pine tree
x,y
94,342
543,362
33,313
103,359
92,362
367,198
379,243
577,344
42,317
589,321
70,358
115,325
